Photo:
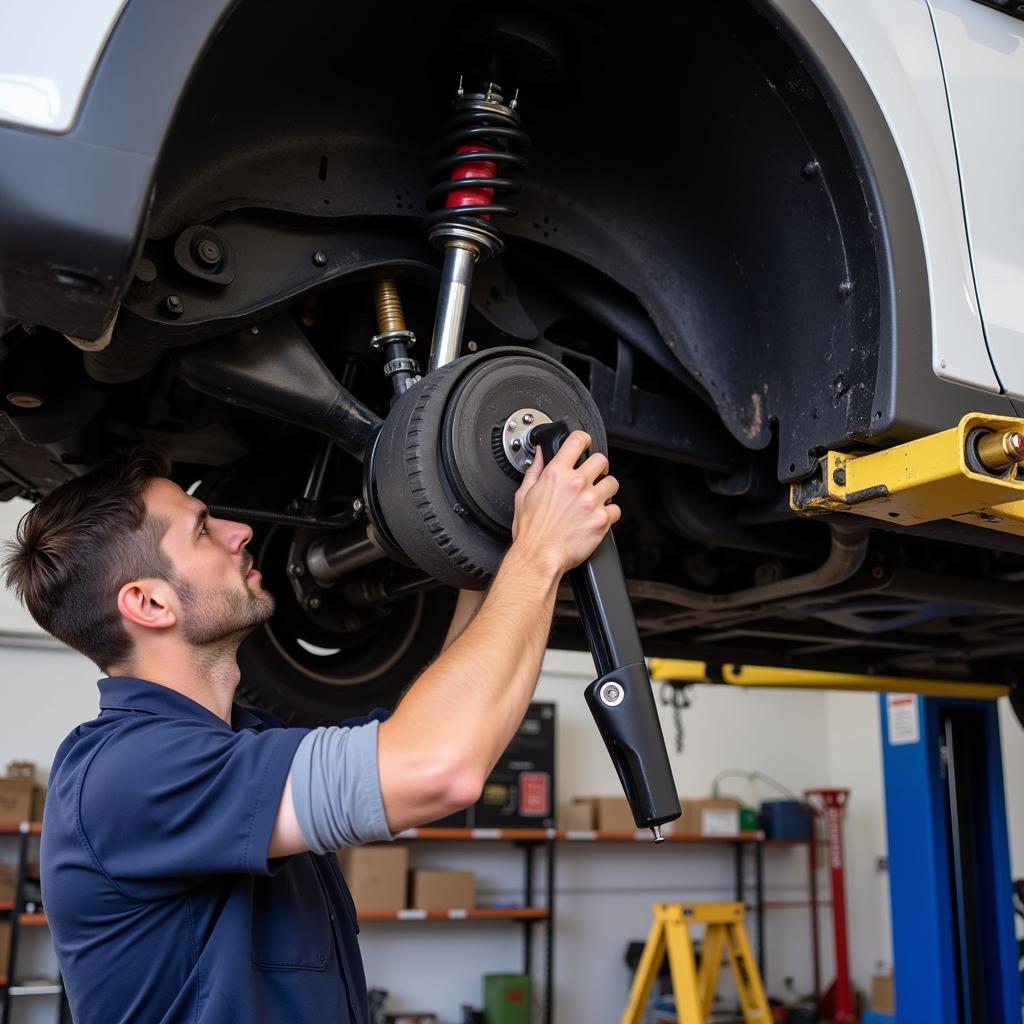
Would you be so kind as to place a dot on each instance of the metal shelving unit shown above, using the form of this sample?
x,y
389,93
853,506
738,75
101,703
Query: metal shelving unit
x,y
528,839
9,989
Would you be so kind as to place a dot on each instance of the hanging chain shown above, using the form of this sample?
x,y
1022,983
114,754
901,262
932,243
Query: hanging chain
x,y
676,695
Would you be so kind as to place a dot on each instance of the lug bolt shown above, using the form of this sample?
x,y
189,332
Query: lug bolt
x,y
527,418
312,603
511,425
527,463
173,306
357,505
320,258
296,569
516,444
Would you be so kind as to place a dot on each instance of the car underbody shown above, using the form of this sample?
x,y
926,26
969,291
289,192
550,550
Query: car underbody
x,y
699,239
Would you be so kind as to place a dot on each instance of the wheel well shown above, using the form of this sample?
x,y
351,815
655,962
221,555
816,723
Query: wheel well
x,y
700,166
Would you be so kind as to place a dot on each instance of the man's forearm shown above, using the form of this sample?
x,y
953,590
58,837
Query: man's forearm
x,y
466,607
467,705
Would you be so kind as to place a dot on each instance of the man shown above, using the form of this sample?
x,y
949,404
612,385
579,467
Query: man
x,y
187,852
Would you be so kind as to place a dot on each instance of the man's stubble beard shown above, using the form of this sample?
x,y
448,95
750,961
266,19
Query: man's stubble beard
x,y
217,621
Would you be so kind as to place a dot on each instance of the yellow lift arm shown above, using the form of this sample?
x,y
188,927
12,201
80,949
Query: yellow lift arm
x,y
678,671
968,474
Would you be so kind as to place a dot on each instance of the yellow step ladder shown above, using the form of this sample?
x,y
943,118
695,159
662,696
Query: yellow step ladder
x,y
695,990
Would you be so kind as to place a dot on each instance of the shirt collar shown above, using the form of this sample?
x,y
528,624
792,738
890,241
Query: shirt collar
x,y
125,693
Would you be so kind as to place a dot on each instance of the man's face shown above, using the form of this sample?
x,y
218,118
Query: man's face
x,y
222,597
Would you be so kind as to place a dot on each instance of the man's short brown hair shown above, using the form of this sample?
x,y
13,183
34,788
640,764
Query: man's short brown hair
x,y
80,544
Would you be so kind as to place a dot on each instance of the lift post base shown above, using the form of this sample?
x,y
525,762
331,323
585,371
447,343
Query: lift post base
x,y
950,887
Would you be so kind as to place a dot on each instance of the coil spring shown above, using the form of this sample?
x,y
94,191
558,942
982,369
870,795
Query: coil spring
x,y
480,136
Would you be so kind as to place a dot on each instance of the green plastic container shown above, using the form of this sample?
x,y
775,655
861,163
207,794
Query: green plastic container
x,y
508,999
748,819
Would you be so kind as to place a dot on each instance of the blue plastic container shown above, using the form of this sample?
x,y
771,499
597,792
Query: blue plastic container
x,y
785,819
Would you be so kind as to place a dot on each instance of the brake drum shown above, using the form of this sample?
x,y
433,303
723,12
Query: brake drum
x,y
444,469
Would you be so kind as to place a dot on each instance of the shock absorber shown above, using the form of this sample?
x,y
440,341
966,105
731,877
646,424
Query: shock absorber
x,y
393,338
482,137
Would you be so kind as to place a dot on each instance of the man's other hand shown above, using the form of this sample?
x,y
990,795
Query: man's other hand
x,y
562,512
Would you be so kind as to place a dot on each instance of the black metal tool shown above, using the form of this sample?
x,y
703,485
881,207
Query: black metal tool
x,y
621,699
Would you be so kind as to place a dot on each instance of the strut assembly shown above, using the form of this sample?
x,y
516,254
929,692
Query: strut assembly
x,y
482,135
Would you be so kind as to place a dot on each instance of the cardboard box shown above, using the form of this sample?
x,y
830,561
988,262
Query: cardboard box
x,y
520,792
8,876
432,889
376,876
883,995
576,816
709,817
18,801
607,813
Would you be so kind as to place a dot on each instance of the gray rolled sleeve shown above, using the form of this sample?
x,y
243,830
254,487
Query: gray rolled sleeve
x,y
336,788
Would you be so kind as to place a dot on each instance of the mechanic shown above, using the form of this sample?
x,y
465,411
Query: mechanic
x,y
188,865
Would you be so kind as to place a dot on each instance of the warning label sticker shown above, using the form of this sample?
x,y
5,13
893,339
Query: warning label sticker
x,y
534,794
904,720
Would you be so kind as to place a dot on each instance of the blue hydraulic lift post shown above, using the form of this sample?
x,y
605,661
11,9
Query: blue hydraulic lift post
x,y
954,945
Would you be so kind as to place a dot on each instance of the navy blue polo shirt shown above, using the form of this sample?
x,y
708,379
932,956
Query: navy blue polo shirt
x,y
162,902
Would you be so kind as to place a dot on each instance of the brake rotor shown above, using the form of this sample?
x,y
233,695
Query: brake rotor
x,y
452,452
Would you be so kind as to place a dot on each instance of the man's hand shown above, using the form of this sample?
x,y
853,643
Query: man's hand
x,y
562,513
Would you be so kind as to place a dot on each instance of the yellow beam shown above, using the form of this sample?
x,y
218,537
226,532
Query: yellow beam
x,y
922,481
674,670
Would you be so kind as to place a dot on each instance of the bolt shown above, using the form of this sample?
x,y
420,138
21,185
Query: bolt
x,y
320,258
612,692
878,572
357,505
145,272
296,569
512,425
845,289
528,417
459,510
173,306
516,444
254,330
472,346
208,252
839,477
527,463
811,169
312,603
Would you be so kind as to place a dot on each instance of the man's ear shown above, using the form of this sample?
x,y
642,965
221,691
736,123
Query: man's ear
x,y
148,603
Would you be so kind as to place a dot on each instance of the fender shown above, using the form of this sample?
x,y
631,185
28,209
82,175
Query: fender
x,y
73,206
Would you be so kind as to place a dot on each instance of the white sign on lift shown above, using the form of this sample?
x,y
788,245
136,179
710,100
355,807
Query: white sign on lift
x,y
904,720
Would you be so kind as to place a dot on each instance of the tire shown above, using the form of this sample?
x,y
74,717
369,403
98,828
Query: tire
x,y
440,485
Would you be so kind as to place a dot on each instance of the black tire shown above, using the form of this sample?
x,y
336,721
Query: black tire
x,y
445,499
307,668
